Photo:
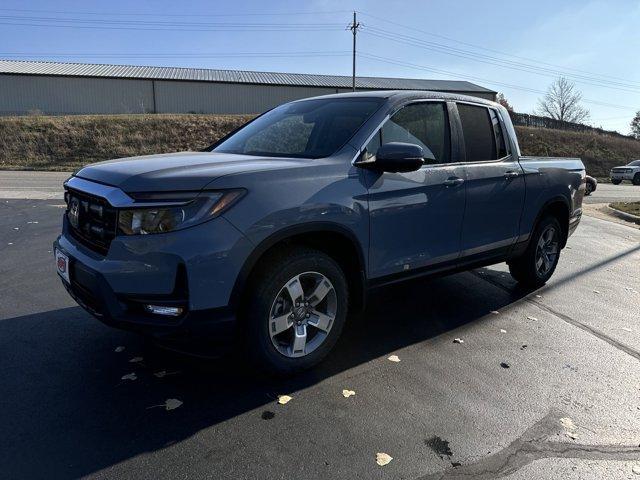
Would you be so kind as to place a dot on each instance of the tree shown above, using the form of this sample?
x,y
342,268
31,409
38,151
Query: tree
x,y
502,100
635,126
562,102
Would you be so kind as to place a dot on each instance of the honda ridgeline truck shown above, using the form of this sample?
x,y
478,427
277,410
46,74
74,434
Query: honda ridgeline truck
x,y
277,231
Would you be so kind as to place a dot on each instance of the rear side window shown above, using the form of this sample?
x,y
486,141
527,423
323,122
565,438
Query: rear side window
x,y
425,124
499,134
479,139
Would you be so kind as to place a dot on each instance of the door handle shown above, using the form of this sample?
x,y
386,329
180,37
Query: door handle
x,y
511,174
453,181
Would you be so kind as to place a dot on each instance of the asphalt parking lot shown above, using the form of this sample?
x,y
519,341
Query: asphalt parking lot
x,y
546,384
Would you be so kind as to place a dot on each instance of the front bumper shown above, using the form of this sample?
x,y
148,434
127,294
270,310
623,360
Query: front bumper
x,y
621,176
194,269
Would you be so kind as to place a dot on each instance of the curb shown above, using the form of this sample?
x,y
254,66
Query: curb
x,y
624,216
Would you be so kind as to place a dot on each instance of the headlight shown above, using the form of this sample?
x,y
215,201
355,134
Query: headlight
x,y
166,212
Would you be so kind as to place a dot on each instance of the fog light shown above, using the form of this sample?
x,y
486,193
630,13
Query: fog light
x,y
163,310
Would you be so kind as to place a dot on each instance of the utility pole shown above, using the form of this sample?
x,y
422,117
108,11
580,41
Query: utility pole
x,y
354,29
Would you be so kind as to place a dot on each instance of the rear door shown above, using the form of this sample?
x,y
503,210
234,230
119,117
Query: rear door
x,y
416,217
494,180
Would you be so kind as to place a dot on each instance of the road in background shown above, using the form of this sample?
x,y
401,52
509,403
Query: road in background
x,y
48,185
609,193
32,185
544,385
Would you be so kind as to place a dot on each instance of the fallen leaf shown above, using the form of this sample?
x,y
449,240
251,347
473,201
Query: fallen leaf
x,y
502,330
135,360
164,373
505,365
119,349
532,318
636,469
169,404
130,376
538,296
567,423
32,222
626,329
172,404
267,415
348,393
394,358
10,243
596,291
16,228
523,347
284,399
383,459
458,340
495,312
572,435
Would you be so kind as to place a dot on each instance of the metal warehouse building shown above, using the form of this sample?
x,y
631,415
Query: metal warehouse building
x,y
78,88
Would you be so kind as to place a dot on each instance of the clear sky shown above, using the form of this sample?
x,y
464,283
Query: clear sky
x,y
512,46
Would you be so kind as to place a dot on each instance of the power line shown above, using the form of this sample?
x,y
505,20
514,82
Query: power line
x,y
498,62
477,79
480,47
241,29
173,15
175,55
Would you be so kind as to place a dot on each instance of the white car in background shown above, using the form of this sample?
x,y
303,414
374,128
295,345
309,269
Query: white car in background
x,y
631,171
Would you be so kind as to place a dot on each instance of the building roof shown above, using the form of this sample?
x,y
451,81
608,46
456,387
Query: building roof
x,y
232,76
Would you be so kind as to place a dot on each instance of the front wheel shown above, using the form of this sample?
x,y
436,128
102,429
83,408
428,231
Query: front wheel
x,y
539,261
636,179
297,307
616,182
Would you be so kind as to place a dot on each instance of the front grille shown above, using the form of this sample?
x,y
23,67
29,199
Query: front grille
x,y
621,170
92,221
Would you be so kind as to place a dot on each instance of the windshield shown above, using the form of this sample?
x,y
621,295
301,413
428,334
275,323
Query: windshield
x,y
635,163
305,129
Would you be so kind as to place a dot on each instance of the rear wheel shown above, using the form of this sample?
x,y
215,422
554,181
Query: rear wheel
x,y
297,308
616,182
588,188
636,179
539,261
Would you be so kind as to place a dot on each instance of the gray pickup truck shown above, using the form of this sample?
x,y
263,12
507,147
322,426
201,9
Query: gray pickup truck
x,y
268,239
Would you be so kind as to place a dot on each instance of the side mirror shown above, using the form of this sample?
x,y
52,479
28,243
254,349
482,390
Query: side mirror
x,y
399,157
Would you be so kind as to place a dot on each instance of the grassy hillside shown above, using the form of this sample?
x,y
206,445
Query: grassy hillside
x,y
68,142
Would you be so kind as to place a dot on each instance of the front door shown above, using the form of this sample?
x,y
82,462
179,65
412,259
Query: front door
x,y
495,184
416,217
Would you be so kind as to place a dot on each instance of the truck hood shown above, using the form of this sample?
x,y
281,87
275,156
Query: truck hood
x,y
177,171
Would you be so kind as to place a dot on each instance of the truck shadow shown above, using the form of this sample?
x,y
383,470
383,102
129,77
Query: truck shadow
x,y
70,409
66,404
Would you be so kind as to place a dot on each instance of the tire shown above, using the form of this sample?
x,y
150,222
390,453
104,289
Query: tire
x,y
526,268
616,182
270,298
636,179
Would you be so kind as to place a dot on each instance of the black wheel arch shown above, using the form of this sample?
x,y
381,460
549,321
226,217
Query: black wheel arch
x,y
558,207
335,240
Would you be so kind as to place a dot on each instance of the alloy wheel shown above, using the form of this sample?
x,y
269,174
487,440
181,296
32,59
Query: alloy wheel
x,y
302,314
547,251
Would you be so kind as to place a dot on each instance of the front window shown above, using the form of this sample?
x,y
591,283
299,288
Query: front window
x,y
425,124
635,163
304,129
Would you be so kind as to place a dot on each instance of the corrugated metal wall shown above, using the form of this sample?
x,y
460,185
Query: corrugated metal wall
x,y
203,97
20,94
55,95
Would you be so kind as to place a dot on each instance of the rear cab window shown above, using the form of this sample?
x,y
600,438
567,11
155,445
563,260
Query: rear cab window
x,y
477,128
